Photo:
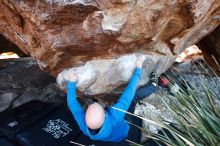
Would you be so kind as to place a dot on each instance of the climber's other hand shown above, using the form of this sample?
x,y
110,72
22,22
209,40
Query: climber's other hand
x,y
72,76
140,61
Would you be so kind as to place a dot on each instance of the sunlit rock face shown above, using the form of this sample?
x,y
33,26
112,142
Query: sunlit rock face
x,y
94,34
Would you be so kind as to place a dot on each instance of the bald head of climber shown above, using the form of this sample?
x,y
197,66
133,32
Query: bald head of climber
x,y
95,116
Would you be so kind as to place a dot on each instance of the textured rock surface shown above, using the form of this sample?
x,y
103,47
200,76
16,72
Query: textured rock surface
x,y
61,34
97,77
21,80
66,33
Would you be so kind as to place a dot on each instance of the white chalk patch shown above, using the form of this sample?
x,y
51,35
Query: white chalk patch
x,y
86,75
66,2
114,19
126,64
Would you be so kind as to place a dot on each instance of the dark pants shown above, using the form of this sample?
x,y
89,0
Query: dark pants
x,y
134,133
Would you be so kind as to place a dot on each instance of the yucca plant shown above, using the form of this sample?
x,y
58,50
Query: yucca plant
x,y
196,115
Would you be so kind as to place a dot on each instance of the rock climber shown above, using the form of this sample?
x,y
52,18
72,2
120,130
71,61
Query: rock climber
x,y
110,124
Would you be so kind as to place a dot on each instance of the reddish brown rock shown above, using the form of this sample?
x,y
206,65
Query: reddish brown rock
x,y
64,33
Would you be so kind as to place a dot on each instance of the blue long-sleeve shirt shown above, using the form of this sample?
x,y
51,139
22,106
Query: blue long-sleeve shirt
x,y
114,128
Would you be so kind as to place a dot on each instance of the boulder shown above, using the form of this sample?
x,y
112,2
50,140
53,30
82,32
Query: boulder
x,y
62,34
102,76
